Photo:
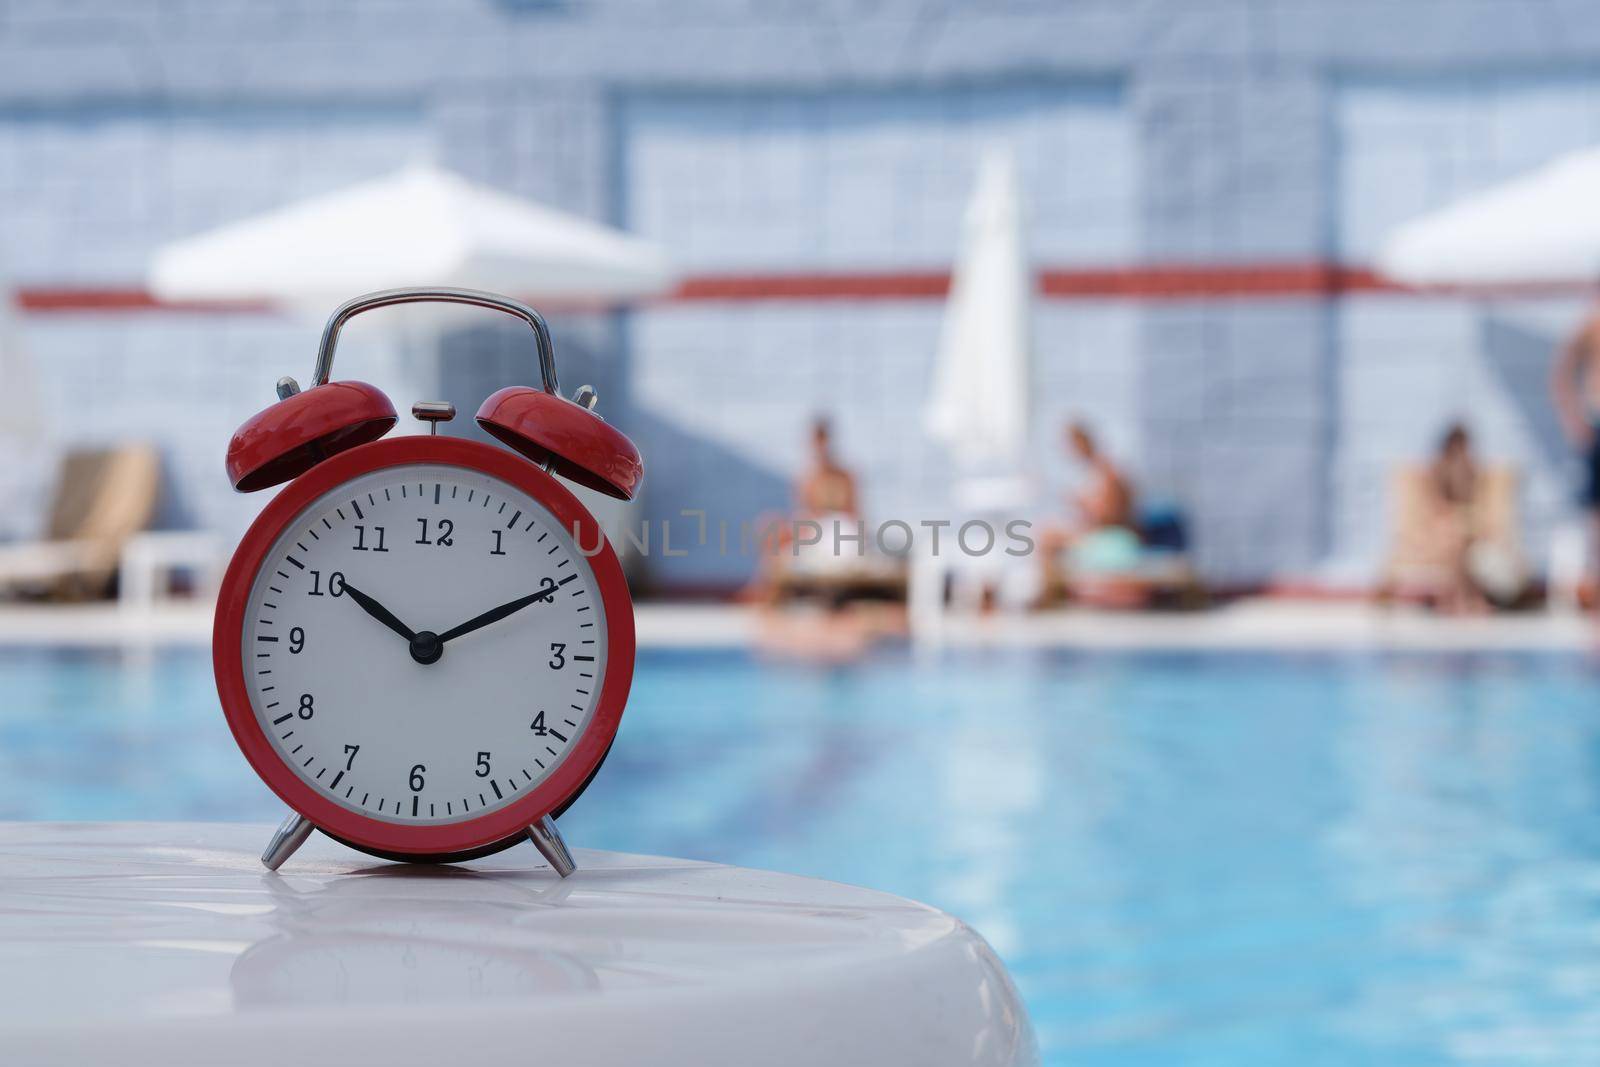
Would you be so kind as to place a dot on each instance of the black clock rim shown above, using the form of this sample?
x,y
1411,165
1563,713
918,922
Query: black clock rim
x,y
484,850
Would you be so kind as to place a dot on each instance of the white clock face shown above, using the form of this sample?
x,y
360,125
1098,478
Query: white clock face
x,y
488,697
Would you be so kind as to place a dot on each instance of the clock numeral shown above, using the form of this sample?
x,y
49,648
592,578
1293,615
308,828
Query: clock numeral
x,y
307,706
416,780
483,765
350,755
445,535
539,728
361,539
335,583
497,550
558,655
297,640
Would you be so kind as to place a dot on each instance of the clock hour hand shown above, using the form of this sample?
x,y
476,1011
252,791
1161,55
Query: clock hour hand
x,y
379,612
547,589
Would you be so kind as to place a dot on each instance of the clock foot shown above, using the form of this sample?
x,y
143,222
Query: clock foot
x,y
286,840
547,839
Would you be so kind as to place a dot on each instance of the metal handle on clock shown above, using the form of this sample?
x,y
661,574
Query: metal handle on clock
x,y
442,295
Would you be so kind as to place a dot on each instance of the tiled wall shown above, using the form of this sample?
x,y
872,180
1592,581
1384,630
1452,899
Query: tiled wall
x,y
859,180
1407,145
86,193
758,137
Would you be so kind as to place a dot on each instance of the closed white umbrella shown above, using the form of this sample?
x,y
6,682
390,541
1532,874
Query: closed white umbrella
x,y
420,226
980,400
1543,226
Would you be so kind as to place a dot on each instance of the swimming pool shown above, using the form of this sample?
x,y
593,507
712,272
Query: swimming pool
x,y
1187,858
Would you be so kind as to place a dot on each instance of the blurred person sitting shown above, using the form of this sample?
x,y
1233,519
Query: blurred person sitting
x,y
820,550
826,490
1099,539
1454,543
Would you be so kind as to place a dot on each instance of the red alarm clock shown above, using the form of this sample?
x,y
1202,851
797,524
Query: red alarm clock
x,y
423,645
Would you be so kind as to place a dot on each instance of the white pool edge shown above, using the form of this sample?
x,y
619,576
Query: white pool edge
x,y
1250,624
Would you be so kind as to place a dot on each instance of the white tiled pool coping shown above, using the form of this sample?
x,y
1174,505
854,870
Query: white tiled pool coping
x,y
1251,624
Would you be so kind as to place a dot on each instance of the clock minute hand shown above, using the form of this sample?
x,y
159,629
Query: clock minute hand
x,y
379,612
496,614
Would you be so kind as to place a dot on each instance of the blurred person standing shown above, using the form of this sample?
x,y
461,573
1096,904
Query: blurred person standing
x,y
1575,390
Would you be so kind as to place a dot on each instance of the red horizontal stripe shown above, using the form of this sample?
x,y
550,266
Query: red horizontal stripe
x,y
1144,283
65,298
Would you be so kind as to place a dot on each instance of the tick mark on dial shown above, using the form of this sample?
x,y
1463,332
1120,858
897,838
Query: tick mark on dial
x,y
559,737
282,719
341,514
496,787
514,519
296,562
359,513
336,778
435,493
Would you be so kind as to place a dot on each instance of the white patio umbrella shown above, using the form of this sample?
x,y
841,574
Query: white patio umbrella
x,y
1543,226
420,226
979,405
980,401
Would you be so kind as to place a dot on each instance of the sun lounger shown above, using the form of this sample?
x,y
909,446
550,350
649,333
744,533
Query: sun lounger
x,y
103,497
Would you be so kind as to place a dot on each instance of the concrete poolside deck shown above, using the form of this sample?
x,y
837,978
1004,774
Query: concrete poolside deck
x,y
1249,624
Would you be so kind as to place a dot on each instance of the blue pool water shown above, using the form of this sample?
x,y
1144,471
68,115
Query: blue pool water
x,y
1227,859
